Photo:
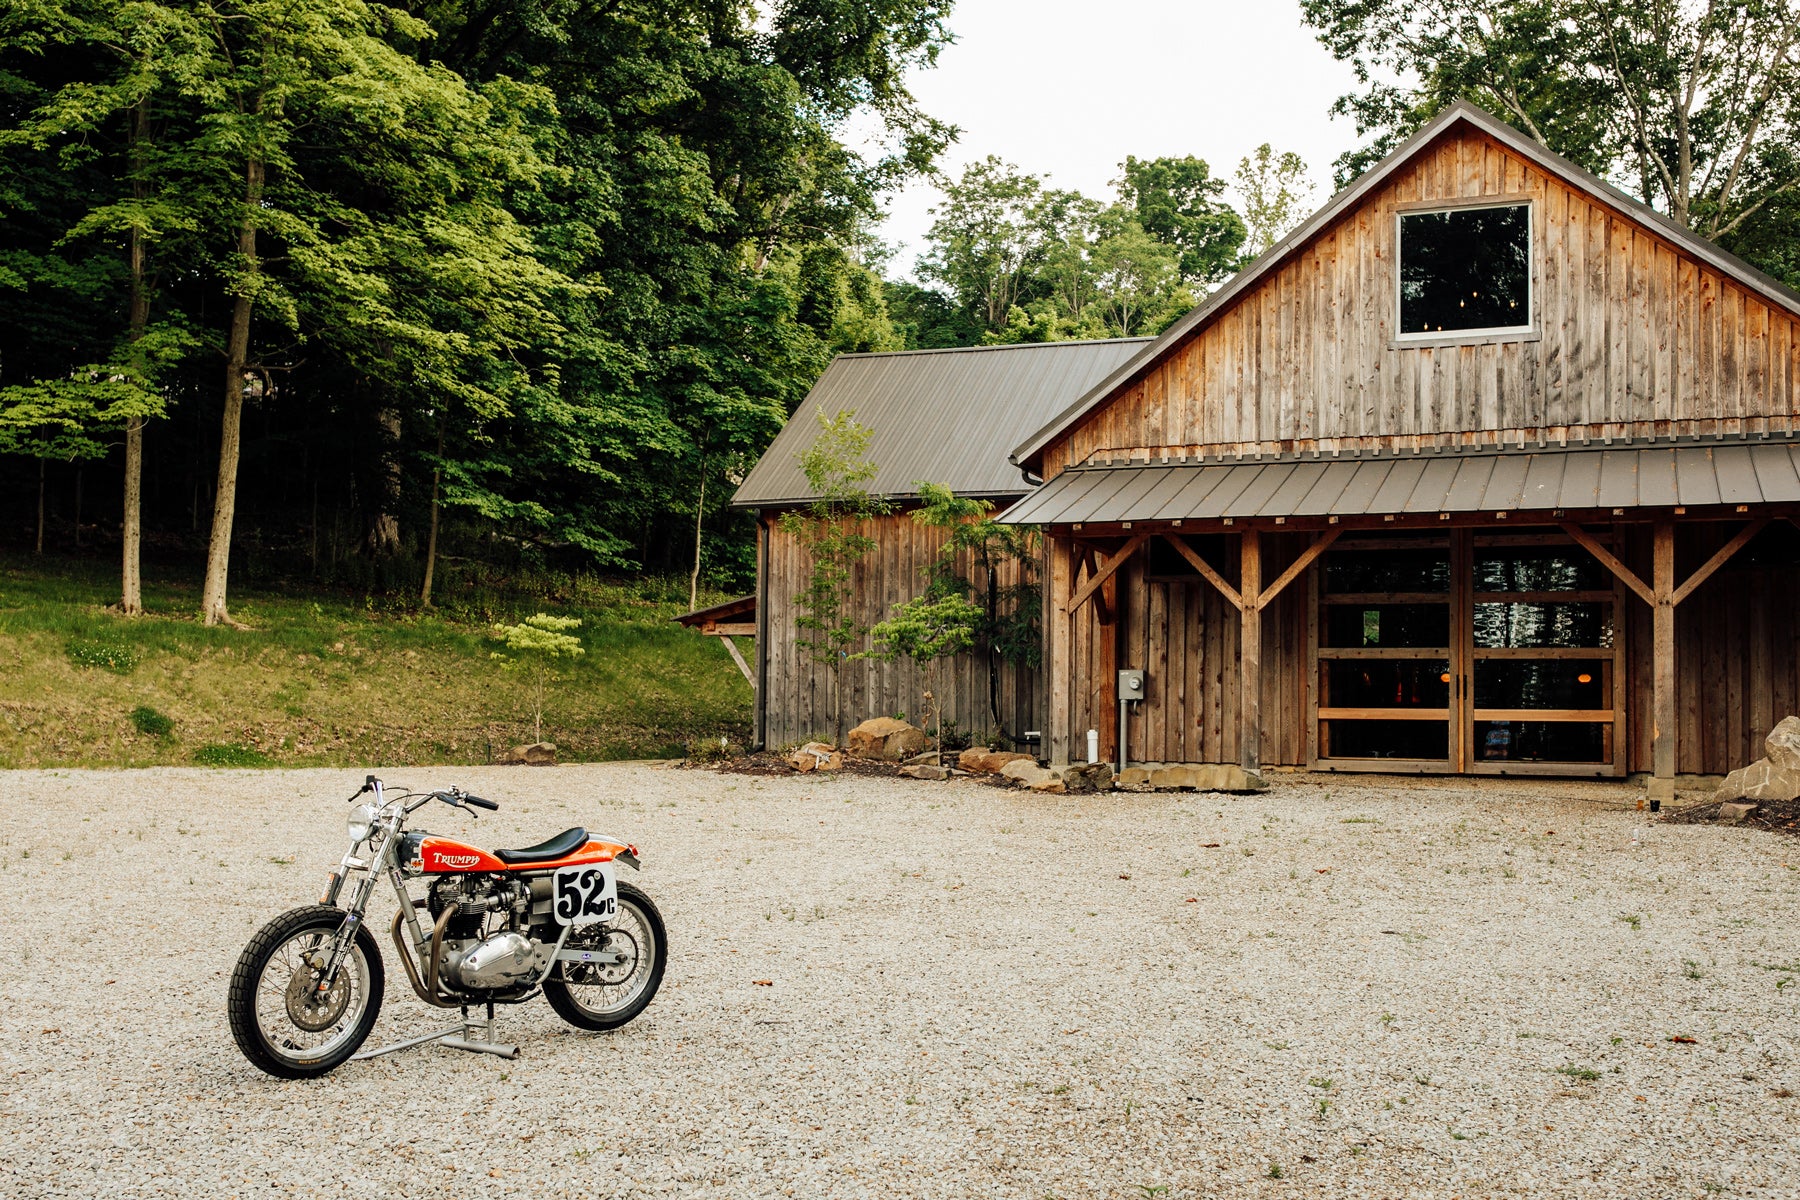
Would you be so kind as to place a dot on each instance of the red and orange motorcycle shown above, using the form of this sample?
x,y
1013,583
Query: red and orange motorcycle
x,y
503,927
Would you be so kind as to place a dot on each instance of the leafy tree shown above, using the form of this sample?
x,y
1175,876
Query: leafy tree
x,y
1137,278
1276,195
928,629
1695,106
832,531
1010,626
535,645
986,241
1177,201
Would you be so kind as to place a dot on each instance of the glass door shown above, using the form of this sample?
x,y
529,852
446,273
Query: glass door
x,y
1545,657
1387,657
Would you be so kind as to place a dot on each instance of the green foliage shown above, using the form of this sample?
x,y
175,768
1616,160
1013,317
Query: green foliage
x,y
113,656
832,532
1275,193
227,754
150,723
533,646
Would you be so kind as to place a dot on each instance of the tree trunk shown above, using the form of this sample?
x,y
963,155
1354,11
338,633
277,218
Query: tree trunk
x,y
237,353
78,508
40,528
131,591
382,538
699,512
437,475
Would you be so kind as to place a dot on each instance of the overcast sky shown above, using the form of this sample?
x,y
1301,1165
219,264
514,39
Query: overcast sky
x,y
1068,88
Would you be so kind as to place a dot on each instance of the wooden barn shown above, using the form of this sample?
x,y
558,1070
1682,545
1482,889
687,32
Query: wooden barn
x,y
945,417
1487,468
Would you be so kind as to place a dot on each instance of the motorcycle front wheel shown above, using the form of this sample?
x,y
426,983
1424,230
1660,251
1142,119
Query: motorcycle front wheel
x,y
280,1020
602,996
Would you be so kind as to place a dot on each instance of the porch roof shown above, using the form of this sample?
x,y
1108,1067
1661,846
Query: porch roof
x,y
1576,477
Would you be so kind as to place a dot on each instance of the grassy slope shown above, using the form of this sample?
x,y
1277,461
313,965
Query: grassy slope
x,y
323,680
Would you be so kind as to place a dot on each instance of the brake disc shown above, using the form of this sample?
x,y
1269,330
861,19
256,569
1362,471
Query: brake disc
x,y
307,1007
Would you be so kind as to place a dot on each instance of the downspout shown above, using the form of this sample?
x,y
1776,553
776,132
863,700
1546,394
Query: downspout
x,y
762,633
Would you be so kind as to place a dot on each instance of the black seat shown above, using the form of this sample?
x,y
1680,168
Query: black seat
x,y
561,846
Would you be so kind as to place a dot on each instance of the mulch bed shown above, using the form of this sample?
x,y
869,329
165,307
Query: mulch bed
x,y
1775,816
774,764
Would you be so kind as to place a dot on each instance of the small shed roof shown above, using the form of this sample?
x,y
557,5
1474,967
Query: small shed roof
x,y
1532,478
741,611
945,416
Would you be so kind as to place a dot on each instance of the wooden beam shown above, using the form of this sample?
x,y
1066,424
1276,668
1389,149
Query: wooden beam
x,y
1319,545
729,629
738,658
1250,653
1610,562
1059,636
1098,576
1720,558
1662,657
1205,568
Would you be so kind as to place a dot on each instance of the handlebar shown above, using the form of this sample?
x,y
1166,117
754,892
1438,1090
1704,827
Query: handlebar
x,y
455,797
478,802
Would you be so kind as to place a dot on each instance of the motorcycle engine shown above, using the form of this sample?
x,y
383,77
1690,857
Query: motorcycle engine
x,y
486,944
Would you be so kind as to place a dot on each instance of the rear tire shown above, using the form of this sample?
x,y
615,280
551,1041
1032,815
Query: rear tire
x,y
267,990
582,995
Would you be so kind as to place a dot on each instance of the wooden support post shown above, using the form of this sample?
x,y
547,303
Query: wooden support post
x,y
1662,657
738,658
1060,629
1250,651
1106,688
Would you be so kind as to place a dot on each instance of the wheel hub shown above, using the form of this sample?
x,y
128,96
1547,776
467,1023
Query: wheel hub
x,y
309,1008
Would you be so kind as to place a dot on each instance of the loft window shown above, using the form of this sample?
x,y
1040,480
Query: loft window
x,y
1465,270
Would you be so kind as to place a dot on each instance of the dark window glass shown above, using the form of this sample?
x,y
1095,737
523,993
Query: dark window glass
x,y
1540,741
1535,625
1376,625
1386,683
1425,740
1507,570
1469,268
1540,683
1387,571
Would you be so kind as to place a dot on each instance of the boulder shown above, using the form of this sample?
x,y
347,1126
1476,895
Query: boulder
x,y
930,757
1031,775
1207,777
536,754
1733,814
1134,777
816,756
1763,780
925,771
1783,744
1730,788
1051,785
989,762
1089,777
885,737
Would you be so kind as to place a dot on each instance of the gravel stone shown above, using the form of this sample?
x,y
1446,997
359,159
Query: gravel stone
x,y
1384,988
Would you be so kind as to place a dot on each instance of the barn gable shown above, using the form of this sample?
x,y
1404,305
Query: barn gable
x,y
1639,329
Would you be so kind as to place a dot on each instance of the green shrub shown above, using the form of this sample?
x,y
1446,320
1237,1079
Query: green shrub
x,y
116,657
221,755
148,721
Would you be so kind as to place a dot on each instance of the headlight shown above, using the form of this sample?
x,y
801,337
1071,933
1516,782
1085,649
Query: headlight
x,y
361,817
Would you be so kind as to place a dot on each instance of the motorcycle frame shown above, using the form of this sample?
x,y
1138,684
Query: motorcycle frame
x,y
385,861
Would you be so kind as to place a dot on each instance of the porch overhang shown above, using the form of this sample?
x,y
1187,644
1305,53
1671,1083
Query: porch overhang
x,y
1312,489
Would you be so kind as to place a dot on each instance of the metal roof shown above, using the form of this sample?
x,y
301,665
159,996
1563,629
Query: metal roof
x,y
1765,285
1532,478
944,416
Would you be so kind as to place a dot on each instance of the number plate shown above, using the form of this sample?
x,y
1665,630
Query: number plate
x,y
586,894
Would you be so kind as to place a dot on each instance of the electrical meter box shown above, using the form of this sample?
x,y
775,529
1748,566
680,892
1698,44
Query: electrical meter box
x,y
1131,685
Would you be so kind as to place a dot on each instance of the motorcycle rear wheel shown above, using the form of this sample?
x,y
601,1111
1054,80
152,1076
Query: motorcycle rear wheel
x,y
278,1022
586,996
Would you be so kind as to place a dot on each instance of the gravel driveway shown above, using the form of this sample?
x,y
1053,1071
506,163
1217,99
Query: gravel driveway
x,y
1343,987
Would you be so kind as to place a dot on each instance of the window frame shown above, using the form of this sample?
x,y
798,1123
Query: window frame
x,y
1528,331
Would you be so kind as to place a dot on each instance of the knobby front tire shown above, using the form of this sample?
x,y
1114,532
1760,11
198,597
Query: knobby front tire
x,y
278,1023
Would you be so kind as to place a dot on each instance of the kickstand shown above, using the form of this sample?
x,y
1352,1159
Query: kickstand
x,y
457,1037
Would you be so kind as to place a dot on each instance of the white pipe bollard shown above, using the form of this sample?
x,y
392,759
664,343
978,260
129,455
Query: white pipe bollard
x,y
1093,746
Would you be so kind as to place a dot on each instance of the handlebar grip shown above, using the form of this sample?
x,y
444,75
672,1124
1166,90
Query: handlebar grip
x,y
478,802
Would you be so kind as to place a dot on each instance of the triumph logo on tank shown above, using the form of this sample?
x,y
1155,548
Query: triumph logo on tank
x,y
457,860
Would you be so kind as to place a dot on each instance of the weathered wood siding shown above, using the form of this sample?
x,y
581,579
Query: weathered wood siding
x,y
1632,337
1184,635
798,702
1737,651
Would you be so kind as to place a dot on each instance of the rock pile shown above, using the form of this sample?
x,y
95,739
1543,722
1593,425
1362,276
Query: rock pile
x,y
537,754
816,756
1775,777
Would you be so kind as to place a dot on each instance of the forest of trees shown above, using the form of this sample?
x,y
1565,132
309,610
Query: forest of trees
x,y
340,288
